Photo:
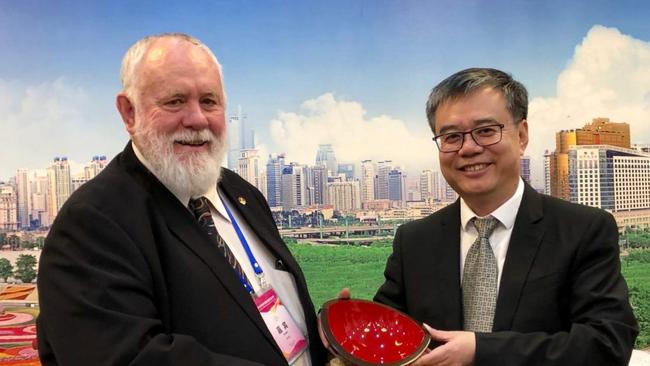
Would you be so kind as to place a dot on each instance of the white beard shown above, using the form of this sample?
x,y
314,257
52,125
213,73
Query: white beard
x,y
189,174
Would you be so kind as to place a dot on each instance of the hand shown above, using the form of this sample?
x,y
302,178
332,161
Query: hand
x,y
344,294
458,349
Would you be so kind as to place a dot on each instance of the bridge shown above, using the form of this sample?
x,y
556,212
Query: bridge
x,y
338,231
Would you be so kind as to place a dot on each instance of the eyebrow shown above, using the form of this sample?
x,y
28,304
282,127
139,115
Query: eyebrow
x,y
477,123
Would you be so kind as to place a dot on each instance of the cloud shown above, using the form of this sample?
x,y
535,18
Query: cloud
x,y
354,136
608,76
53,118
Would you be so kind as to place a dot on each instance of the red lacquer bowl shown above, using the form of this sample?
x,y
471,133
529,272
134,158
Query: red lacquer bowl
x,y
368,333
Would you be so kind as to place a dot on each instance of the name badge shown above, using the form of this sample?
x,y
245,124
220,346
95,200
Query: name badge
x,y
285,332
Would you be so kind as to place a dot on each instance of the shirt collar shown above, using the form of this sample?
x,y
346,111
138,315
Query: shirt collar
x,y
212,195
506,213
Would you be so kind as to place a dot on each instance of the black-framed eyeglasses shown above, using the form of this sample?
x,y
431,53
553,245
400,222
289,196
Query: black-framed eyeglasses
x,y
483,136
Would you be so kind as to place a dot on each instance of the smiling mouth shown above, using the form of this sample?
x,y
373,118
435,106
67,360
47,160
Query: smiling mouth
x,y
192,143
474,167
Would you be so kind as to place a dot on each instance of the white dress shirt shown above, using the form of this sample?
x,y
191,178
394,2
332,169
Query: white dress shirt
x,y
282,281
500,237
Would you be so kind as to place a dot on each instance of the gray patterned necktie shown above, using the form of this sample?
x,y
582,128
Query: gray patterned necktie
x,y
480,279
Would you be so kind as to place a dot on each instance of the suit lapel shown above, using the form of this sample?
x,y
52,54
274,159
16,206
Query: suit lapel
x,y
246,205
446,265
183,225
254,212
526,236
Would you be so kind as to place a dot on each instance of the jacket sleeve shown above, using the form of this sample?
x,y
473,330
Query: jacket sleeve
x,y
602,326
97,300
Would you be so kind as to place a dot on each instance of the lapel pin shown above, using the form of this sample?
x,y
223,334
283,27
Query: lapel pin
x,y
242,200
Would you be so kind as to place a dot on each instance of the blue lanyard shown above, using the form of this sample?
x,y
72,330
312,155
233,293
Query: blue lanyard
x,y
251,258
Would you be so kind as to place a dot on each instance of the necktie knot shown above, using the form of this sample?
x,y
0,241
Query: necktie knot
x,y
199,207
485,226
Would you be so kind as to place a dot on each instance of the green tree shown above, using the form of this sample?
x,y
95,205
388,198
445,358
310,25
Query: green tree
x,y
25,268
6,269
3,238
13,241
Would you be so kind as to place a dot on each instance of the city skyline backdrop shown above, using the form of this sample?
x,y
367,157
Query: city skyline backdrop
x,y
352,74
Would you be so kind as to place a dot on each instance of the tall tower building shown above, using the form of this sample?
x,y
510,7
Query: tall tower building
x,y
325,156
426,185
381,179
263,185
8,208
600,131
59,185
96,165
274,167
38,186
294,192
248,166
548,156
319,176
448,193
23,197
367,182
240,137
524,168
396,186
344,196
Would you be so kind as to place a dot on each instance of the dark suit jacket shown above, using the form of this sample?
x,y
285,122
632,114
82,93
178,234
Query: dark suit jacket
x,y
127,277
562,299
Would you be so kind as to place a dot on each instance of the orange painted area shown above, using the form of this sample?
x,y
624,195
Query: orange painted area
x,y
16,292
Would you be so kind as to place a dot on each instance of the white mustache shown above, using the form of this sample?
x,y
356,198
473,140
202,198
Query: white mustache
x,y
192,136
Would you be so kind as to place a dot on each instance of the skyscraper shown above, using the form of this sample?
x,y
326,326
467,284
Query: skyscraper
x,y
325,156
381,179
59,185
8,208
294,192
248,166
96,165
524,168
38,186
396,186
548,157
240,137
449,194
23,197
599,131
367,182
426,185
274,168
319,176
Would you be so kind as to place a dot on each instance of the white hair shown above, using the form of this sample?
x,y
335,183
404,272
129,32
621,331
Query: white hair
x,y
134,54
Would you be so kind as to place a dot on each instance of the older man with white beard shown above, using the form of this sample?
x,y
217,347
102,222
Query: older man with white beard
x,y
165,258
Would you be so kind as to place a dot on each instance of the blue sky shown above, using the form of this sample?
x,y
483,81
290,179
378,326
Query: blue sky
x,y
383,55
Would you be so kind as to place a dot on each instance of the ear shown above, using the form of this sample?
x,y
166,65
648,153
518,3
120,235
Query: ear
x,y
523,136
127,111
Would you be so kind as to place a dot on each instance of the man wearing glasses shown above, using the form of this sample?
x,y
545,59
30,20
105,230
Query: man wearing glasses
x,y
505,275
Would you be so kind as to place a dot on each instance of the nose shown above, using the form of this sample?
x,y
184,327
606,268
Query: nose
x,y
470,147
195,117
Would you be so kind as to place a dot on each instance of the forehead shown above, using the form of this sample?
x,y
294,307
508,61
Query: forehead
x,y
468,110
170,61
